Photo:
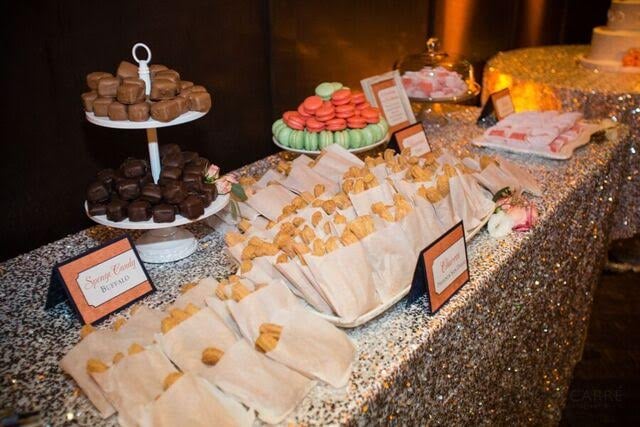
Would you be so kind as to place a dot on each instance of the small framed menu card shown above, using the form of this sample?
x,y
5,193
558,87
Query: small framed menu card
x,y
499,104
442,269
413,137
387,93
100,281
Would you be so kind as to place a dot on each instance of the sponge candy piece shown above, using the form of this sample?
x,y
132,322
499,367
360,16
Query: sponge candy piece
x,y
117,111
92,78
108,86
172,75
138,112
163,89
200,101
87,100
156,68
130,93
101,106
165,111
127,69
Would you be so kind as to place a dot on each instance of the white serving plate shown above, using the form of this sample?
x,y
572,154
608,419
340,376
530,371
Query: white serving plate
x,y
220,202
314,152
565,152
151,123
384,307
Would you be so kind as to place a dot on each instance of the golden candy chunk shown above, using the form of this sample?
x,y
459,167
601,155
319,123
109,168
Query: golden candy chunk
x,y
244,225
282,259
308,197
339,219
430,193
316,218
167,324
318,189
347,238
270,328
266,342
117,357
329,206
96,366
318,248
86,330
342,201
331,244
179,315
187,287
486,161
135,348
119,322
245,266
358,186
298,202
347,186
388,154
307,234
233,278
211,355
449,170
239,291
378,207
232,238
170,379
326,228
191,309
248,253
442,184
134,309
221,292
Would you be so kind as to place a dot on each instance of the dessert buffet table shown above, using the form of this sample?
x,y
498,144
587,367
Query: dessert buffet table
x,y
503,349
551,78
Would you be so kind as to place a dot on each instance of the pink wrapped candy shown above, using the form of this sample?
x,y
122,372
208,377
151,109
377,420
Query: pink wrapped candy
x,y
435,82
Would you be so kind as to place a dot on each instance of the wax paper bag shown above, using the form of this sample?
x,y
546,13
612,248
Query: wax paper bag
x,y
197,295
313,347
462,206
268,177
140,328
525,181
270,200
293,272
271,388
192,401
303,178
362,201
184,343
445,212
494,178
134,381
102,345
346,280
430,225
335,162
222,311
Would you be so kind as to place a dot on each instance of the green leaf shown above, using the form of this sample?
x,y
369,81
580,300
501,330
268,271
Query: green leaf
x,y
238,191
502,193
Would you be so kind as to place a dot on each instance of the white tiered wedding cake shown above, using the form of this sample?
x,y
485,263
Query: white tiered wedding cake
x,y
616,47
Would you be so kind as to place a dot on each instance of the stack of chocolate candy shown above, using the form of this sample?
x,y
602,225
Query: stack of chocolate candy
x,y
123,97
129,192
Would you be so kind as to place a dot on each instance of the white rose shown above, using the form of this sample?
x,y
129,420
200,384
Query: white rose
x,y
500,225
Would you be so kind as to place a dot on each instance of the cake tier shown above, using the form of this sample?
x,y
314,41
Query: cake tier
x,y
624,15
608,45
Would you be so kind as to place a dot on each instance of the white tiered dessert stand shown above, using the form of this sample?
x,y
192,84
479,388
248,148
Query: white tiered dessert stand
x,y
164,242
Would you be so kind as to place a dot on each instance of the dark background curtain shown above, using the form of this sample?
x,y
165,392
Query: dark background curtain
x,y
257,58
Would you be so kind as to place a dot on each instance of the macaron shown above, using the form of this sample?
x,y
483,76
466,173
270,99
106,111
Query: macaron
x,y
383,129
303,112
325,112
314,125
361,106
336,124
276,126
356,122
295,121
384,124
341,138
311,141
358,97
355,138
312,103
336,86
325,139
340,97
324,90
296,140
367,137
283,135
371,115
375,131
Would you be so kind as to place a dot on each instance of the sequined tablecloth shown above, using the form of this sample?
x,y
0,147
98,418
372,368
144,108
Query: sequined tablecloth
x,y
551,78
499,352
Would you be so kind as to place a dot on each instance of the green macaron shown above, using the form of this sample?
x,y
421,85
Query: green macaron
x,y
325,139
367,136
375,131
341,138
355,138
296,140
311,141
384,124
284,134
277,125
324,90
336,86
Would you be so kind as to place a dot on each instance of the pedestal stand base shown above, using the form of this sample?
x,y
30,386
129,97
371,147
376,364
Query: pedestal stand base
x,y
166,245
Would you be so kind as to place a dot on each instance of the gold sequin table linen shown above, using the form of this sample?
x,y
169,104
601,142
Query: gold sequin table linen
x,y
551,78
500,352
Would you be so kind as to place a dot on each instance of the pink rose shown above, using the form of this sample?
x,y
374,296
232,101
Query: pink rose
x,y
524,217
231,177
212,173
223,185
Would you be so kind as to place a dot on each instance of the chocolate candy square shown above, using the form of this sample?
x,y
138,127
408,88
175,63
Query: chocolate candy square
x,y
210,190
116,210
163,89
173,159
164,213
155,68
170,172
107,176
139,112
140,210
87,100
146,179
128,189
184,93
134,81
198,88
133,168
174,192
183,104
151,193
97,192
189,156
92,78
200,101
184,84
165,111
129,93
108,86
196,167
169,149
97,209
193,181
101,106
172,75
127,69
192,207
117,111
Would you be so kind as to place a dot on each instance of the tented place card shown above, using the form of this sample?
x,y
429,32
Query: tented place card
x,y
442,269
387,93
413,137
499,104
101,280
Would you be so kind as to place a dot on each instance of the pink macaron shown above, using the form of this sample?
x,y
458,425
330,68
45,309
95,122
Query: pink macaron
x,y
336,124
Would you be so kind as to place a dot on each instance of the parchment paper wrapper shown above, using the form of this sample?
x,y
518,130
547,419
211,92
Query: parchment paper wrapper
x,y
222,311
409,189
102,345
271,388
270,200
205,288
346,280
263,271
523,178
135,381
192,401
313,347
391,258
140,328
335,162
293,272
185,343
430,224
462,206
494,179
380,171
445,212
247,211
303,178
362,201
269,176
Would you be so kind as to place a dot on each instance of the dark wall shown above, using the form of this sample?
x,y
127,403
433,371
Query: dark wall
x,y
257,58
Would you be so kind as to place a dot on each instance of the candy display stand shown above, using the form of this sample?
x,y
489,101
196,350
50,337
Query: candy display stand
x,y
165,242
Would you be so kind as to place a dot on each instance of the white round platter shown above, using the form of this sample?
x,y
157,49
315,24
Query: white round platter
x,y
351,150
148,124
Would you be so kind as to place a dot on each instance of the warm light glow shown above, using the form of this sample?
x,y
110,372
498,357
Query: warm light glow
x,y
535,17
527,95
456,20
